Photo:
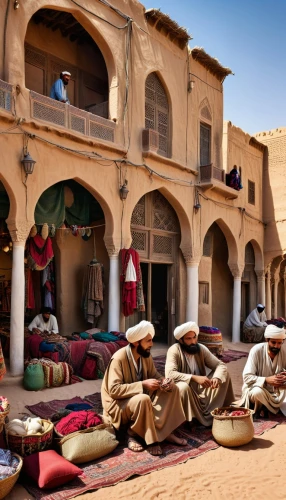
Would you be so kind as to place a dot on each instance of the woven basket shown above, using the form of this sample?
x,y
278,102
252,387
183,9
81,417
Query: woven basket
x,y
3,415
26,445
232,430
7,484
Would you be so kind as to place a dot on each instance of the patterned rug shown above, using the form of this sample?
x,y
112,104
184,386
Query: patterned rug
x,y
227,356
47,410
123,463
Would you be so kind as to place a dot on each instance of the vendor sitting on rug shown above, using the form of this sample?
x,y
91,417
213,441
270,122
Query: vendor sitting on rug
x,y
187,363
44,323
134,393
254,325
264,374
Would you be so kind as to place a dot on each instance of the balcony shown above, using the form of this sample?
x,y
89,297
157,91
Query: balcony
x,y
213,178
5,95
64,115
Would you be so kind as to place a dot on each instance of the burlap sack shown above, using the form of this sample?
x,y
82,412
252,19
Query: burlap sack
x,y
88,444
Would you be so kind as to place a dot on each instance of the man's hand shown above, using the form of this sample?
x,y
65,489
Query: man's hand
x,y
215,383
151,384
202,380
166,384
276,380
36,331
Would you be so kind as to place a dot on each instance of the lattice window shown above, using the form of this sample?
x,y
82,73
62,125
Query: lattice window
x,y
205,113
203,292
208,244
139,240
78,124
138,215
251,192
157,112
35,57
164,216
162,244
205,144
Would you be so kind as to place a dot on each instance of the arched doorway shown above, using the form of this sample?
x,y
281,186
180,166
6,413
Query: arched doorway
x,y
6,250
248,283
76,228
55,42
215,283
155,232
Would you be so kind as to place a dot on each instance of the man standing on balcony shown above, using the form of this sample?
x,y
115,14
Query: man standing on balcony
x,y
59,88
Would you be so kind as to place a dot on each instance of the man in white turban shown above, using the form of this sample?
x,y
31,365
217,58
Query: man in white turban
x,y
264,375
188,363
254,325
59,88
133,393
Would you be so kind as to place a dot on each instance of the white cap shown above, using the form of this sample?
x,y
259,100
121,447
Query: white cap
x,y
181,330
274,332
140,331
66,73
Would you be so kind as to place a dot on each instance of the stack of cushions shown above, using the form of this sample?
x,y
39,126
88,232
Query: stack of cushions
x,y
211,337
49,470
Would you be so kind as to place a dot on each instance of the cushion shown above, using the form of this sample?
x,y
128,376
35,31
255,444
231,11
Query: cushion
x,y
34,377
89,369
49,469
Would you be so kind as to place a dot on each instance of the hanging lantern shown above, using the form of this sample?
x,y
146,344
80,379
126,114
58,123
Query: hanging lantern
x,y
28,163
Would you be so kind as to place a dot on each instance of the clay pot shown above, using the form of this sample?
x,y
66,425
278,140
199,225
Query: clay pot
x,y
232,430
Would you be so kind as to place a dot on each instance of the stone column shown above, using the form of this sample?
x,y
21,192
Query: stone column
x,y
276,283
114,291
260,287
268,293
192,300
19,232
236,311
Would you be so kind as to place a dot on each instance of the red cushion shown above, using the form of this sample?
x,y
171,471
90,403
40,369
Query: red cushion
x,y
49,469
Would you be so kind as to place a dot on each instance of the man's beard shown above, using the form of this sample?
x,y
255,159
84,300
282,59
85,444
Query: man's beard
x,y
143,352
46,320
274,350
190,349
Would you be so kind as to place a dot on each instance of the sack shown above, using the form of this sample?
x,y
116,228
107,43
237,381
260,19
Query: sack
x,y
34,377
88,444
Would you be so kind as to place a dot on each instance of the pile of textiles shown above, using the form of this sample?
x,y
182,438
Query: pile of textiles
x,y
211,337
55,374
8,464
78,420
37,346
102,352
280,322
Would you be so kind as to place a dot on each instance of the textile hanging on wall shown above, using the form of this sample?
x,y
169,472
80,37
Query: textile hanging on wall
x,y
92,296
52,210
29,289
48,284
132,287
39,252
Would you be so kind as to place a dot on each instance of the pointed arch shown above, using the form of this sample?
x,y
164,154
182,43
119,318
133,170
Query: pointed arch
x,y
258,253
205,110
230,239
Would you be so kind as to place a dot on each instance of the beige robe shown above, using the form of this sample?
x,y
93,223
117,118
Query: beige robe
x,y
197,401
151,415
259,366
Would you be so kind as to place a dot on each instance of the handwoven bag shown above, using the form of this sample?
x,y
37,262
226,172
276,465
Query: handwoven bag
x,y
88,444
34,377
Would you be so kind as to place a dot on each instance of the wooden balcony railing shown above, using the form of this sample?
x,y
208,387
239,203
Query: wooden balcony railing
x,y
5,95
47,109
209,172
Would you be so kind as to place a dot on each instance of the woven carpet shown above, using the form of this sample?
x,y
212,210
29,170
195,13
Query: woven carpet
x,y
123,463
227,356
46,410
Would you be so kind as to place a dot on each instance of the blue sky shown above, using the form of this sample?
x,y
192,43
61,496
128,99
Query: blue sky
x,y
249,36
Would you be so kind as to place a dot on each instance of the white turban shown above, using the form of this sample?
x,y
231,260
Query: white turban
x,y
66,73
140,331
274,332
181,330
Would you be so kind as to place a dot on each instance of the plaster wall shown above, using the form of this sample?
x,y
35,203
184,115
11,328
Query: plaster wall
x,y
205,275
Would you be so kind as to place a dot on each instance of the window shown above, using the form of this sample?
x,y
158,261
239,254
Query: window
x,y
157,112
251,192
203,292
208,245
205,144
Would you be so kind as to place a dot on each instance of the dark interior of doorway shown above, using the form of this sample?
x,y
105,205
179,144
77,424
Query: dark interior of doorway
x,y
159,298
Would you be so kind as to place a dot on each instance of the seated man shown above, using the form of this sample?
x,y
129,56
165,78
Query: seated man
x,y
254,325
44,323
59,88
264,374
134,393
186,364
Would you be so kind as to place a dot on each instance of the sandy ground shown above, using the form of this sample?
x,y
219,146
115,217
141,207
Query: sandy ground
x,y
249,472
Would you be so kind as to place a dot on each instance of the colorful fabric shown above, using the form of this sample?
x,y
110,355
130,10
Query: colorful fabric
x,y
78,420
5,457
56,374
132,291
9,470
39,252
103,352
209,329
104,337
92,296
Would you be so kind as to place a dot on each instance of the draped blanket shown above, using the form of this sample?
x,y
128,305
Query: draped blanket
x,y
132,291
40,252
